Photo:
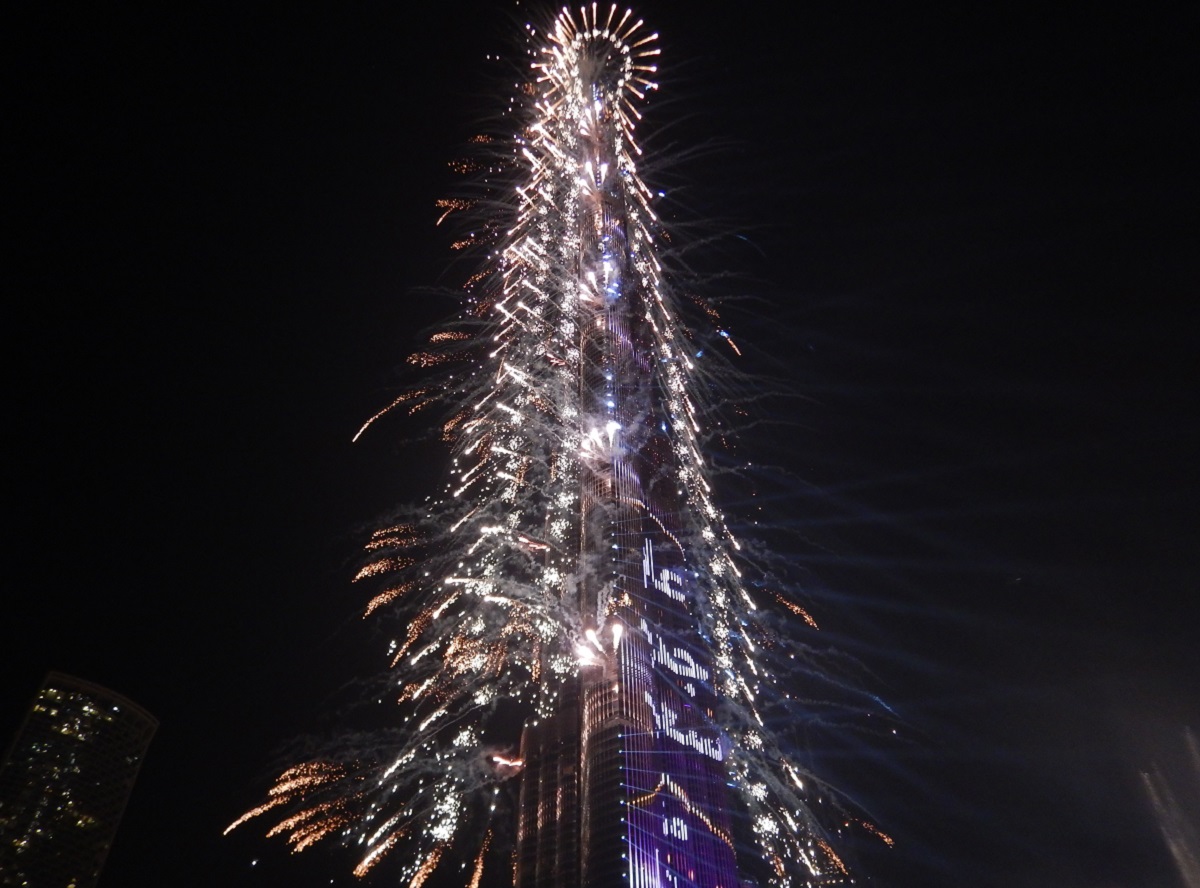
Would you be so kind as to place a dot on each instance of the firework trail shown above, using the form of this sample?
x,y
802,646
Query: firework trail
x,y
573,409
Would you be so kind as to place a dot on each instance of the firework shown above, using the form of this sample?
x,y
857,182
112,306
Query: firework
x,y
576,550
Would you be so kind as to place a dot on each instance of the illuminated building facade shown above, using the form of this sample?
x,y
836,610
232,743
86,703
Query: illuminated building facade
x,y
65,782
626,783
575,580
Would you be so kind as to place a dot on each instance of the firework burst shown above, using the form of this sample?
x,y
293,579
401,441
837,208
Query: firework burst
x,y
577,426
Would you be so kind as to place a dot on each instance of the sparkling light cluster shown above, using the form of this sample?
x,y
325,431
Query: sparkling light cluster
x,y
482,587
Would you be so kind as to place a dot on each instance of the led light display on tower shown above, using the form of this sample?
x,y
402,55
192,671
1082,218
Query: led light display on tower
x,y
576,573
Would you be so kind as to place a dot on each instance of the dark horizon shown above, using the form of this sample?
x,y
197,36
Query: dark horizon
x,y
966,243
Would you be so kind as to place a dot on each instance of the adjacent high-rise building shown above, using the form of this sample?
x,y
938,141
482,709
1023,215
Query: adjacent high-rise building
x,y
65,782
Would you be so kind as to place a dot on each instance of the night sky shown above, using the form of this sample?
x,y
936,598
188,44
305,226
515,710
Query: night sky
x,y
966,241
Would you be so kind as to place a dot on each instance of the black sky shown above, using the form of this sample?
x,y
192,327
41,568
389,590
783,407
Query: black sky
x,y
969,238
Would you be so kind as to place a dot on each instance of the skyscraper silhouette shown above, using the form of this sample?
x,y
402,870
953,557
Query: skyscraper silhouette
x,y
626,782
65,782
575,584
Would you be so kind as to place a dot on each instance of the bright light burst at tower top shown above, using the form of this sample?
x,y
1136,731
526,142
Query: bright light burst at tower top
x,y
569,364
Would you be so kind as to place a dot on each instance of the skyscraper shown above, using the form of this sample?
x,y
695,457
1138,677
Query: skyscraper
x,y
65,782
632,765
575,580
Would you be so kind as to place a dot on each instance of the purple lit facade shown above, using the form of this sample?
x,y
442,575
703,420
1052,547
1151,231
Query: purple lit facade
x,y
626,783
